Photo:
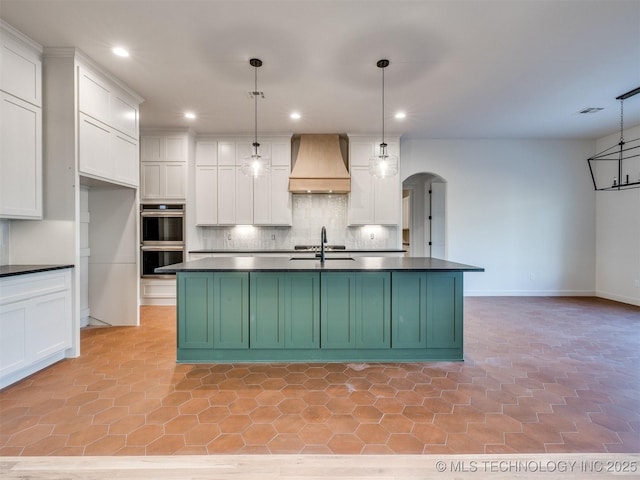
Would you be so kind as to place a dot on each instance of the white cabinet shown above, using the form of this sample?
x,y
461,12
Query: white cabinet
x,y
373,200
235,197
20,158
163,166
35,322
20,66
225,196
20,126
108,130
206,195
106,153
104,101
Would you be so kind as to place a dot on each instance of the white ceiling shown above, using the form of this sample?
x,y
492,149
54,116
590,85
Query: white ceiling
x,y
460,69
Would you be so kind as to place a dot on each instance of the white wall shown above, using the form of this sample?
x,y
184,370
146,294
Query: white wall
x,y
618,235
522,209
4,242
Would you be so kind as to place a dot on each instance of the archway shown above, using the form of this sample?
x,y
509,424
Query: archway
x,y
424,215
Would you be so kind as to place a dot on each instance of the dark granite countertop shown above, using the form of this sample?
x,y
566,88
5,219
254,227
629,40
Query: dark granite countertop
x,y
12,270
300,251
306,264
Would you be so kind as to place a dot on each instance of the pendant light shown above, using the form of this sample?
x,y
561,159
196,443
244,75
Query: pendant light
x,y
255,165
383,164
618,167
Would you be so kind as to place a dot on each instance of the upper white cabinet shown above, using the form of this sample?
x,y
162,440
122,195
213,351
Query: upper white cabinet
x,y
108,130
20,66
163,166
104,101
373,200
20,126
225,196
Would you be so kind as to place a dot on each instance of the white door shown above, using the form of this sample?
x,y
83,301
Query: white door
x,y
438,205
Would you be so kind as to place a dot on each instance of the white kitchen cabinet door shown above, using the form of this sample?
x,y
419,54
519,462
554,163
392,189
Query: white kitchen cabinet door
x,y
281,154
262,200
206,153
94,96
151,149
281,207
49,327
125,157
160,181
13,337
20,158
226,195
206,195
20,70
174,181
386,200
360,152
124,115
150,180
244,198
226,153
95,148
361,197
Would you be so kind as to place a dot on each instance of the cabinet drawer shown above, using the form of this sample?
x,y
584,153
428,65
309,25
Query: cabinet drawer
x,y
21,287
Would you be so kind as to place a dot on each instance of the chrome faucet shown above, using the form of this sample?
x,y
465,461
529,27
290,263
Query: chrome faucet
x,y
323,241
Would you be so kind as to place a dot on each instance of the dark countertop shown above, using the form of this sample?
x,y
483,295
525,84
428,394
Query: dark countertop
x,y
275,264
12,270
285,251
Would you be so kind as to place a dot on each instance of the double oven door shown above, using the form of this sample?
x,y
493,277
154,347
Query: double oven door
x,y
162,237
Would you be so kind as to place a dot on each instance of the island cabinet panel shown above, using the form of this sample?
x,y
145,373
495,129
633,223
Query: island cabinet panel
x,y
284,310
444,310
409,312
195,313
356,310
231,310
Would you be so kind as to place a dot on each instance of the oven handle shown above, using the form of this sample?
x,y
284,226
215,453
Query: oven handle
x,y
163,213
159,248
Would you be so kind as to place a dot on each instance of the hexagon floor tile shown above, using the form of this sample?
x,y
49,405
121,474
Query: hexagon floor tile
x,y
540,375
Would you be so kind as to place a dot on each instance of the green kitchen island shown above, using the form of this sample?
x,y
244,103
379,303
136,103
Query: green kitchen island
x,y
270,309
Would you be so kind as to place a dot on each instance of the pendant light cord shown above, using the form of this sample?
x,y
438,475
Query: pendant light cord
x,y
383,105
255,99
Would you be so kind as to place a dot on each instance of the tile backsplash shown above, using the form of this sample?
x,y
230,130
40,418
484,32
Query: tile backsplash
x,y
310,214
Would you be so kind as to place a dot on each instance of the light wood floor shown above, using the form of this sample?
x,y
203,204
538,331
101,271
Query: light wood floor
x,y
309,467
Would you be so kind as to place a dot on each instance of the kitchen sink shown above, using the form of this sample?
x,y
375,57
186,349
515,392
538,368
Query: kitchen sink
x,y
316,259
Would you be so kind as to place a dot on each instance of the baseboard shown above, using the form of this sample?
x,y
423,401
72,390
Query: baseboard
x,y
619,298
529,293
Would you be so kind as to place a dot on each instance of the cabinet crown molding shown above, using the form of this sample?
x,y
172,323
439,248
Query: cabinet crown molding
x,y
6,28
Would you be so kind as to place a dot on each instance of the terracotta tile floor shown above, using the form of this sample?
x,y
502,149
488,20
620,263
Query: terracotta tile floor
x,y
541,375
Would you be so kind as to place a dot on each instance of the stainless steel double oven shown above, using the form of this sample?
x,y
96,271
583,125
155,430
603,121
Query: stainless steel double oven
x,y
162,237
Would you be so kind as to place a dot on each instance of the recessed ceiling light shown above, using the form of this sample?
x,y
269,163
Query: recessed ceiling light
x,y
295,116
190,115
400,115
121,52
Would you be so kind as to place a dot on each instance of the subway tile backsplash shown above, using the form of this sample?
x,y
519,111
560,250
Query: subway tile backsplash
x,y
310,214
4,242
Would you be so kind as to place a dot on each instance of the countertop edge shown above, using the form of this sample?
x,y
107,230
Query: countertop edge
x,y
15,270
300,252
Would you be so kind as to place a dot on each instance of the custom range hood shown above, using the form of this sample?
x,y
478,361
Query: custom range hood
x,y
320,166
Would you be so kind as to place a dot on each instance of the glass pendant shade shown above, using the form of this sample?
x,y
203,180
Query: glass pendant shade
x,y
256,165
383,165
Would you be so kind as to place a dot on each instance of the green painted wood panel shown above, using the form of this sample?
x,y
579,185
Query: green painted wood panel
x,y
373,309
195,315
231,310
444,310
409,313
337,309
302,310
266,317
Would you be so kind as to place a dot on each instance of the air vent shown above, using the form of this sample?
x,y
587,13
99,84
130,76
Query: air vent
x,y
591,110
253,95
